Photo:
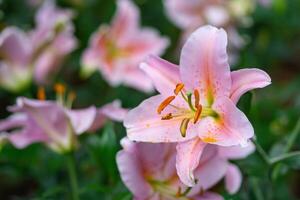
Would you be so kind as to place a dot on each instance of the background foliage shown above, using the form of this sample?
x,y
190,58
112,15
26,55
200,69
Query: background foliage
x,y
273,45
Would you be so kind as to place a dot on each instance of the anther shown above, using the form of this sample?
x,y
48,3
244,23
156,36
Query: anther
x,y
184,126
165,103
197,98
178,88
197,114
167,116
59,88
41,94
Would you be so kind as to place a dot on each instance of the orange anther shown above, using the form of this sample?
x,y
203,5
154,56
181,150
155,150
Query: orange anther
x,y
41,94
167,116
197,114
165,103
59,88
72,96
197,98
178,88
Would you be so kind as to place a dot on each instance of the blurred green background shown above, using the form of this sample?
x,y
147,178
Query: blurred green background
x,y
273,45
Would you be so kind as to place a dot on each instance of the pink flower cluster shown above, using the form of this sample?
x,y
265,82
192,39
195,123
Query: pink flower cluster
x,y
179,142
38,53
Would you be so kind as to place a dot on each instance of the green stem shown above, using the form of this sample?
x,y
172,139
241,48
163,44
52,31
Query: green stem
x,y
261,152
284,157
73,176
293,137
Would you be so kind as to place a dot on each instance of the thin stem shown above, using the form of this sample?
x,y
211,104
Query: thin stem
x,y
284,157
73,176
293,137
261,152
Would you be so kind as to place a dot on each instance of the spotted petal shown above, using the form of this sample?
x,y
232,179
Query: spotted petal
x,y
144,124
247,79
230,128
187,160
203,63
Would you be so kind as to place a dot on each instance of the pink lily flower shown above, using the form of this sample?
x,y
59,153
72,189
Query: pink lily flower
x,y
53,39
54,124
148,170
189,15
117,50
15,52
196,104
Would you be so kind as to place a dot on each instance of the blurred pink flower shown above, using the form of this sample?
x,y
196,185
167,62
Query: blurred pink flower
x,y
54,124
15,52
196,104
52,40
117,50
39,53
228,14
148,170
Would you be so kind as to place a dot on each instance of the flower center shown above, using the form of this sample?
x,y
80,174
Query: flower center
x,y
167,190
195,110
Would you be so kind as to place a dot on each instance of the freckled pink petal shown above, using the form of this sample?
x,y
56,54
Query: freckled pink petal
x,y
203,63
138,79
82,119
163,74
126,20
187,160
236,152
131,173
208,196
232,127
209,174
233,179
247,79
144,124
15,46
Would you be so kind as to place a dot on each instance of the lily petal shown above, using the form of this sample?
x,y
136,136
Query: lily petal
x,y
230,128
247,79
233,179
131,172
163,74
82,119
203,63
126,20
236,152
143,124
187,160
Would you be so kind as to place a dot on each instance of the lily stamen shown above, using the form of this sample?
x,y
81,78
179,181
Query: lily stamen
x,y
41,94
184,126
164,104
167,116
197,98
198,113
178,88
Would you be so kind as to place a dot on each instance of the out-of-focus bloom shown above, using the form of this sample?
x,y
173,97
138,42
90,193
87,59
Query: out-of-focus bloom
x,y
148,170
196,104
228,14
265,3
52,39
39,53
53,123
117,50
15,52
